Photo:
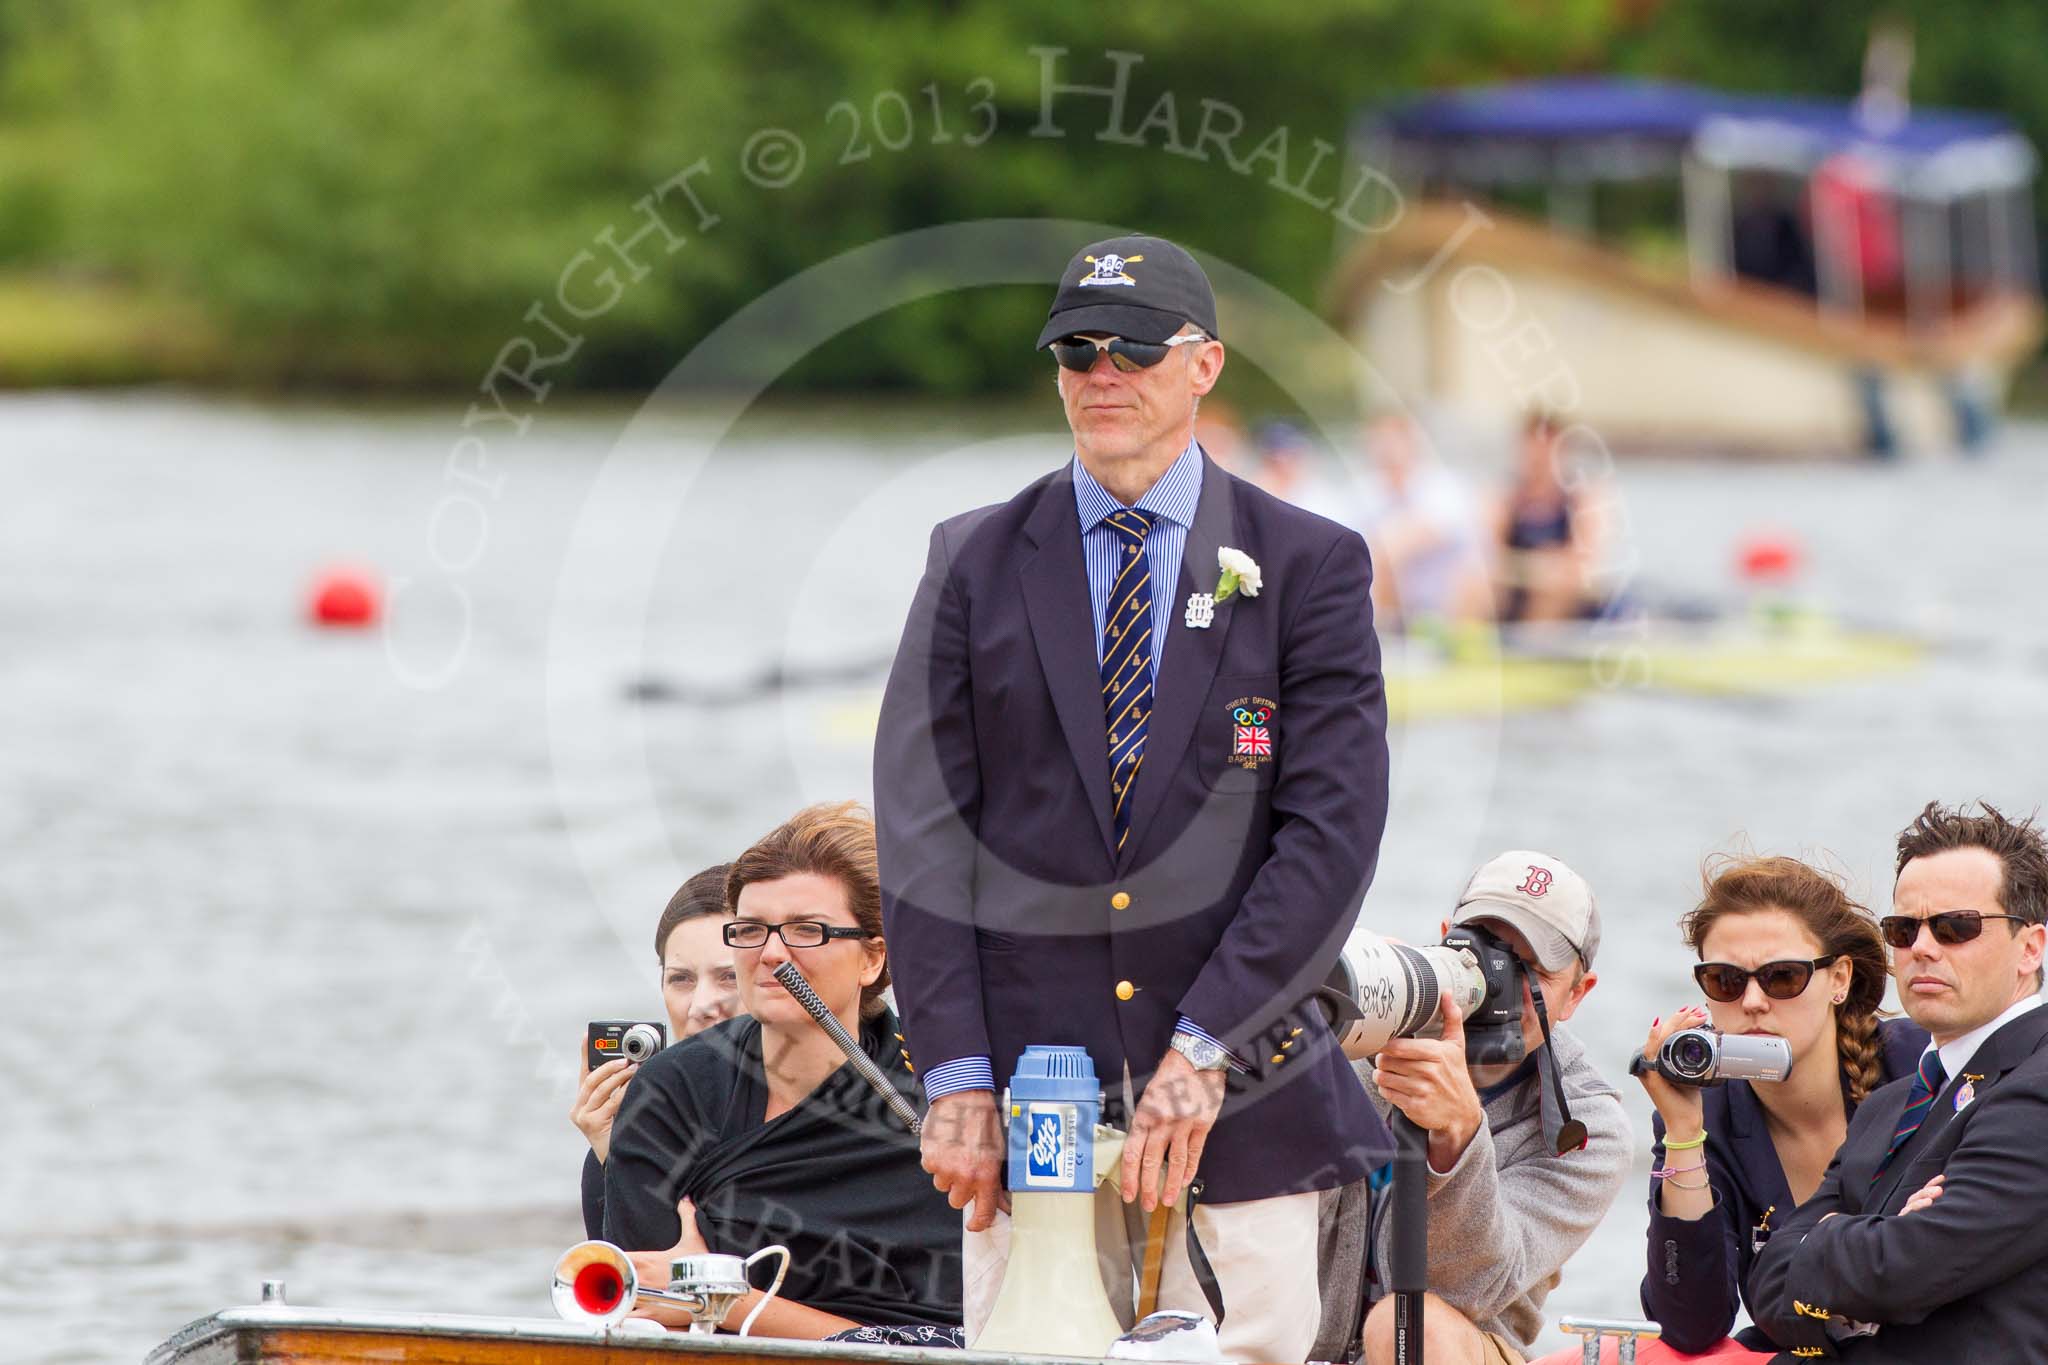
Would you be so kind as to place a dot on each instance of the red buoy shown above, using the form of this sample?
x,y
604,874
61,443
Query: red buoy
x,y
343,597
1769,557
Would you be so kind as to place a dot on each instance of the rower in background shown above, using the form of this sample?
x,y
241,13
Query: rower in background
x,y
1551,531
1424,527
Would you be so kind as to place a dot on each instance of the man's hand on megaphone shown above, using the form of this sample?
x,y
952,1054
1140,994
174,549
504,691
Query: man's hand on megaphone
x,y
962,1145
1426,1079
1169,1130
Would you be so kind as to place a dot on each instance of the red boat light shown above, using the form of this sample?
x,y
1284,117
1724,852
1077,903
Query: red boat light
x,y
598,1288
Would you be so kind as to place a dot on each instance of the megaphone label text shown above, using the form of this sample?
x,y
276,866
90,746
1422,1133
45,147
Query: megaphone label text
x,y
1049,1157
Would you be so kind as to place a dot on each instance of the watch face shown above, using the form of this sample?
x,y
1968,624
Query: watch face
x,y
1203,1053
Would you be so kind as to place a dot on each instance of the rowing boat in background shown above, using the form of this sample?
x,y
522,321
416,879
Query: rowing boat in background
x,y
1480,672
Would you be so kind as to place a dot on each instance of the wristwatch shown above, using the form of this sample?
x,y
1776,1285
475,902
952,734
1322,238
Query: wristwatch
x,y
1203,1054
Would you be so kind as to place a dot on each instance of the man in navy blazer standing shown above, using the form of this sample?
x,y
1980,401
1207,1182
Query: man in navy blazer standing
x,y
1130,782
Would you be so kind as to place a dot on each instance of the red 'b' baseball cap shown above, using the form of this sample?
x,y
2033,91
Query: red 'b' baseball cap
x,y
1548,902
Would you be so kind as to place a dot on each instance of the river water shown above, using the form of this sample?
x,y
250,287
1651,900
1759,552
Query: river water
x,y
298,929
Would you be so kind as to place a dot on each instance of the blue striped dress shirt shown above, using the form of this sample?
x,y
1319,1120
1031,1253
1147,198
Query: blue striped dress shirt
x,y
1173,499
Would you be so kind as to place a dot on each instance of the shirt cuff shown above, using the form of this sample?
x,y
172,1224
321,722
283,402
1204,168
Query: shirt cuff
x,y
962,1073
1187,1025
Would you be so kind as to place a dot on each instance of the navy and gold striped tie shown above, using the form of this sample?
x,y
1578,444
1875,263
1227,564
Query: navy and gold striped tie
x,y
1127,661
1919,1099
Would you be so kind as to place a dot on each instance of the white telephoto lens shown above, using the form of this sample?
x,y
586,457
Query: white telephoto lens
x,y
1399,989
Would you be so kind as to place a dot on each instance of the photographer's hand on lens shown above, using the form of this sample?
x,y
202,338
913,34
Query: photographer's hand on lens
x,y
1169,1130
962,1146
1678,1105
597,1101
1427,1079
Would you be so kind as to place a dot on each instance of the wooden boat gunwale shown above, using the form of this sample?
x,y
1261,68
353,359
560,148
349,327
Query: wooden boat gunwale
x,y
267,1332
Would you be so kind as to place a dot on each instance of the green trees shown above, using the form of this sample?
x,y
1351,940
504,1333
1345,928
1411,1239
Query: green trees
x,y
377,191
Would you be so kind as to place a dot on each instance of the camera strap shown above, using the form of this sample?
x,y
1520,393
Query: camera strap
x,y
1561,1132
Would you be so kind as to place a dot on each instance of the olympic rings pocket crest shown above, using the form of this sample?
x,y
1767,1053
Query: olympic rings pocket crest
x,y
1251,732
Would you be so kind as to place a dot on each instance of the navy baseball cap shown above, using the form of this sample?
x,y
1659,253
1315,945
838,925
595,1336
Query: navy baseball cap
x,y
1143,288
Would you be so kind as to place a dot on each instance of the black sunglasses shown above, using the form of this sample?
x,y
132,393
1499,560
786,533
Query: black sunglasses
x,y
1725,983
1078,353
1949,927
797,933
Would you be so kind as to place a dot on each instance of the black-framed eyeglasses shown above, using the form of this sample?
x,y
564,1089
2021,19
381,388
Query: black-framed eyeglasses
x,y
1726,983
796,933
1078,352
1949,927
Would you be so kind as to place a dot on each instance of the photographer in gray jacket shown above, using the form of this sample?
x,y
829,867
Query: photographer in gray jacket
x,y
1506,1208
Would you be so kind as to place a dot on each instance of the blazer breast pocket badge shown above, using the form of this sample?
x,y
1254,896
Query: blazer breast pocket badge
x,y
1251,732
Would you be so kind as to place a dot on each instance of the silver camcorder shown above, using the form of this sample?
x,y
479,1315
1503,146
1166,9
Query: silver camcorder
x,y
1707,1056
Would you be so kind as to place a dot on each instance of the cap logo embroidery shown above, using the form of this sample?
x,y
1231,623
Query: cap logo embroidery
x,y
1109,270
1538,883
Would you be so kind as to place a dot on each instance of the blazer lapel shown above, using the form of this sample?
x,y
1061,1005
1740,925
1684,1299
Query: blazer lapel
x,y
1859,1158
1191,658
1055,587
1938,1115
1750,1139
1995,1056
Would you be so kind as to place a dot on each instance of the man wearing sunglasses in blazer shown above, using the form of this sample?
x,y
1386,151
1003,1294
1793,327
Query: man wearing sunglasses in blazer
x,y
1130,803
1929,1234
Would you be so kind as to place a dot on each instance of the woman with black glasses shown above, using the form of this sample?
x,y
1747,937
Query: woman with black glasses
x,y
758,1131
1783,951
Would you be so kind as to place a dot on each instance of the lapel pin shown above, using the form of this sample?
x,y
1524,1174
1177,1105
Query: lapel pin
x,y
1966,1092
1201,610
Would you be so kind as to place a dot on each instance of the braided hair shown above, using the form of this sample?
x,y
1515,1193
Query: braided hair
x,y
1738,885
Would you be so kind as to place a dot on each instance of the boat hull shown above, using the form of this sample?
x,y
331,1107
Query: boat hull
x,y
1493,316
302,1336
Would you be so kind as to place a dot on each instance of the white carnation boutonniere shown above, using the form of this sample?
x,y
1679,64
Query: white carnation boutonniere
x,y
1240,574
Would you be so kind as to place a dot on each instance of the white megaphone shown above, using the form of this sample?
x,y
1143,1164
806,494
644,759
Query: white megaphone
x,y
1052,1301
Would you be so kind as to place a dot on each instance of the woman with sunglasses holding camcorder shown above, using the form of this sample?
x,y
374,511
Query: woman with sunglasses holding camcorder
x,y
1783,951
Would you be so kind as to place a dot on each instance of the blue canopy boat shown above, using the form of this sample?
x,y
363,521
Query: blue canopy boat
x,y
1850,276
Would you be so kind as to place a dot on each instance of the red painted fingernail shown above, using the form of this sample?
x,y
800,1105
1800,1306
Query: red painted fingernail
x,y
1658,1020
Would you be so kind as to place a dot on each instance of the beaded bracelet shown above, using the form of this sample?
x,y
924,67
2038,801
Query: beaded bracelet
x,y
1688,1144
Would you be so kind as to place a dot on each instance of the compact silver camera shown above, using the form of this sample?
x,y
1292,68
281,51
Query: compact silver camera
x,y
635,1040
1707,1056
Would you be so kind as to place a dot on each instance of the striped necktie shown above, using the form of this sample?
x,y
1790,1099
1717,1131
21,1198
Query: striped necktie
x,y
1127,661
1926,1085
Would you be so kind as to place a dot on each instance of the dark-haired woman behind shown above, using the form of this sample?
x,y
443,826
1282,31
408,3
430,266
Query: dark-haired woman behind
x,y
698,989
1784,951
